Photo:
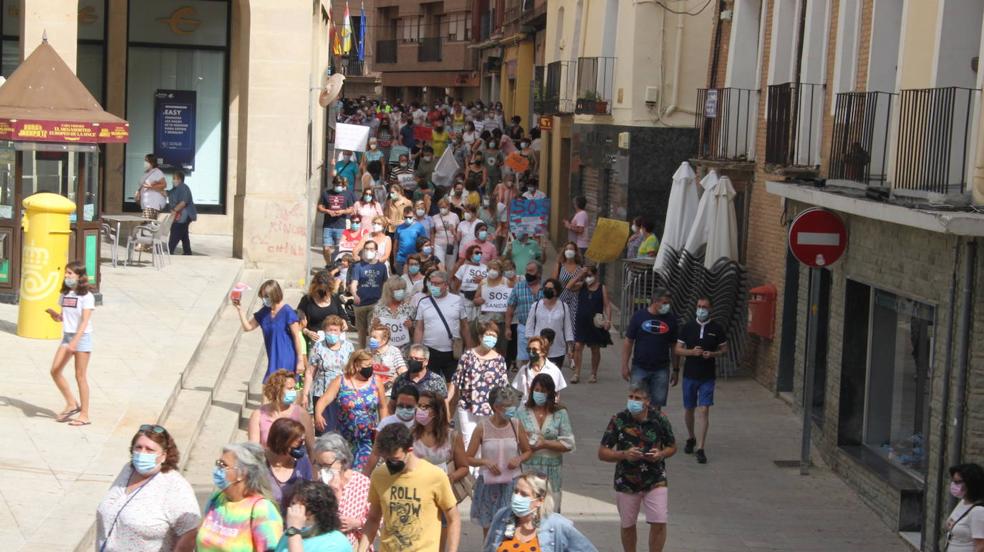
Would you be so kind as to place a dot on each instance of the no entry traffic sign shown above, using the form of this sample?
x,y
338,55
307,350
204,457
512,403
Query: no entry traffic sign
x,y
817,238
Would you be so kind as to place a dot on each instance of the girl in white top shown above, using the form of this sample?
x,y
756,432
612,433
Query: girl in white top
x,y
965,526
77,303
445,232
539,364
552,313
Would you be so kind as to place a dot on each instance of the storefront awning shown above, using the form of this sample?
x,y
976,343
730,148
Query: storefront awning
x,y
43,101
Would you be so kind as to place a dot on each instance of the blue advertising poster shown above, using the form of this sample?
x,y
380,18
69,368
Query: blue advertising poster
x,y
174,129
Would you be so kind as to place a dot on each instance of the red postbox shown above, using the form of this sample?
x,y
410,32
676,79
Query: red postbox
x,y
762,311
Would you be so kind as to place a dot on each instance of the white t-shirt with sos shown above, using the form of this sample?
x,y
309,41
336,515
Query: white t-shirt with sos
x,y
468,274
72,306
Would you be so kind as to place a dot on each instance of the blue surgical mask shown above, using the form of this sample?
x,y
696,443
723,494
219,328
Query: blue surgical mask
x,y
71,282
143,462
298,452
635,406
428,250
219,478
540,398
702,314
373,343
290,396
338,189
477,258
665,309
414,269
483,234
267,302
406,413
331,339
367,198
399,294
489,341
435,291
355,226
511,412
521,506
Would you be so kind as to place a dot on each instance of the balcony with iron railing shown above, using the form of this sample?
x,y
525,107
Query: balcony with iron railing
x,y
595,85
934,137
794,124
386,51
558,90
859,146
726,120
430,48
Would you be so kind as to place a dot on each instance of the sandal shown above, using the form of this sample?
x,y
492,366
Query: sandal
x,y
79,423
66,416
575,379
594,379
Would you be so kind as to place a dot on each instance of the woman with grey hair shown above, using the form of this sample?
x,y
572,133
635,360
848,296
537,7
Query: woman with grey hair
x,y
333,467
240,516
529,522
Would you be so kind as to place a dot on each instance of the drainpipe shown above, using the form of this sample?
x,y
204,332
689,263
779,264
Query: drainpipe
x,y
956,451
945,399
670,109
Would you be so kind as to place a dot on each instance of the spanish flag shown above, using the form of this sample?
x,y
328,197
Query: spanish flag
x,y
346,31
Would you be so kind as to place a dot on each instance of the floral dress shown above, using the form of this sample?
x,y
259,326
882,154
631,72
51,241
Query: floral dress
x,y
358,414
556,427
475,378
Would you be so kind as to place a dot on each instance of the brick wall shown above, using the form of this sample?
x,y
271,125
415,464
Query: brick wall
x,y
717,77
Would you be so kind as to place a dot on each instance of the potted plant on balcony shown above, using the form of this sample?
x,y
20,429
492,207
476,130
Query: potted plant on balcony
x,y
591,103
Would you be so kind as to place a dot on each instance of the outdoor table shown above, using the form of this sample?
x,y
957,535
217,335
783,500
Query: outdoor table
x,y
119,219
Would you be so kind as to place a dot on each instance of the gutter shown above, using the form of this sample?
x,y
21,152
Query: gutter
x,y
670,109
963,346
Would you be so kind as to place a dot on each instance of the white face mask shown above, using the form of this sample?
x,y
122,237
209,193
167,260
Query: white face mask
x,y
589,280
444,211
377,227
369,254
147,165
468,216
420,212
569,253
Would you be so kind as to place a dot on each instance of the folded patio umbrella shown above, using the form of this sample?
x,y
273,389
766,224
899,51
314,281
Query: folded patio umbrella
x,y
680,213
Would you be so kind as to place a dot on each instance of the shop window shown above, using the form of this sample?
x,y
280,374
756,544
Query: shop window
x,y
179,45
91,55
895,389
10,44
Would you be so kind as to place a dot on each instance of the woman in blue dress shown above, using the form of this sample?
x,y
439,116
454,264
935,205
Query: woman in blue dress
x,y
281,330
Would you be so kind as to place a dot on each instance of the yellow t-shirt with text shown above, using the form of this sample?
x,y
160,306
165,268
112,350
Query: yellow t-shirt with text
x,y
410,502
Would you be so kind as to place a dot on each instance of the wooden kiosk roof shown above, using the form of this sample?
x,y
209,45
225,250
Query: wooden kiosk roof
x,y
43,101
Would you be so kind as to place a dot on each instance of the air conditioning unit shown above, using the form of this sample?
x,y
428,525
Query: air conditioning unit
x,y
652,94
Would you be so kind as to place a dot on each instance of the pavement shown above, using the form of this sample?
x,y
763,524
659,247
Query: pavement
x,y
52,476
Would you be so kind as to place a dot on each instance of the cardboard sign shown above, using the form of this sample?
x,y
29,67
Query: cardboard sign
x,y
351,137
517,162
529,216
399,334
608,240
496,298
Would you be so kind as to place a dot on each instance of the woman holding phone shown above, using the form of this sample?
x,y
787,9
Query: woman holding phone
x,y
77,303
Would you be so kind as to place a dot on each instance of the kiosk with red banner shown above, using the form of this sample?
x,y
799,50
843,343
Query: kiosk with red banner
x,y
50,131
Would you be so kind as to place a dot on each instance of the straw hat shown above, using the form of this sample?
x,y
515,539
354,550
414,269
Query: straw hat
x,y
333,87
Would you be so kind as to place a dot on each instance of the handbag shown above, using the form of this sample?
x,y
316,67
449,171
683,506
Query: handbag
x,y
463,487
599,320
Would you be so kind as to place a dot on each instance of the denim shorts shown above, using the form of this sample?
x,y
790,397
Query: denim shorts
x,y
698,392
85,342
331,236
656,380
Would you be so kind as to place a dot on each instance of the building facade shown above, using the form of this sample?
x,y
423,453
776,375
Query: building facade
x,y
870,109
422,49
619,88
258,135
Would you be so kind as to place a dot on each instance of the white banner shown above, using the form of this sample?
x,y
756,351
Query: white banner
x,y
445,169
351,137
496,298
399,334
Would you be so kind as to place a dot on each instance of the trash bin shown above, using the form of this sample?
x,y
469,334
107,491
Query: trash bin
x,y
46,235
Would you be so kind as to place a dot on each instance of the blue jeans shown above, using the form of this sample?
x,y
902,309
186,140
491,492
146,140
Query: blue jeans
x,y
331,236
655,379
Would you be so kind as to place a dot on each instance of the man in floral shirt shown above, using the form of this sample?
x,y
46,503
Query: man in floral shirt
x,y
639,440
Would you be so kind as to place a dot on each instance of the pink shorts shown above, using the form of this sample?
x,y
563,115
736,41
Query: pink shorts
x,y
653,503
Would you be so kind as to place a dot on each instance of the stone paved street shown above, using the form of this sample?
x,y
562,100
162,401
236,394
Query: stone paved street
x,y
740,501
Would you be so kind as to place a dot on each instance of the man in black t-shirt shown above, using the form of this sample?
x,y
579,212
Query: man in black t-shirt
x,y
700,342
336,202
650,342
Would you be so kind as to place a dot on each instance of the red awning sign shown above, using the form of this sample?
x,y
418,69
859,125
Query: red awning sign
x,y
817,238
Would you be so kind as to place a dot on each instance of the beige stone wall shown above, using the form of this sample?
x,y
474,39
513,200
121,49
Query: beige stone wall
x,y
59,19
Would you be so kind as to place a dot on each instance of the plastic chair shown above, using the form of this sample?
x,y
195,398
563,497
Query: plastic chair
x,y
109,236
146,234
164,236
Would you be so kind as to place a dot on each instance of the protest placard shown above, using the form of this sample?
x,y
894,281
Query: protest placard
x,y
351,137
529,216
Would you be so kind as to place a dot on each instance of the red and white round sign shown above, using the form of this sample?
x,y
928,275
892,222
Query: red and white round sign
x,y
817,238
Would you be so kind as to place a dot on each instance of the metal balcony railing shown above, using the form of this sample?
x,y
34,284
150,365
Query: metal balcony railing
x,y
386,51
353,67
859,147
595,83
558,90
934,139
794,124
430,49
726,119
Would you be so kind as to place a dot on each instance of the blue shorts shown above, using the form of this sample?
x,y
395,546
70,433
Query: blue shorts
x,y
331,236
656,380
85,342
698,392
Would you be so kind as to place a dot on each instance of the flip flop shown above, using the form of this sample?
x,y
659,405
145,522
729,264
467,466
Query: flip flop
x,y
66,416
78,423
594,379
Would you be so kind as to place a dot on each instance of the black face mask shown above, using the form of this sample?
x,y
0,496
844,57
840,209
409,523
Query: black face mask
x,y
395,466
534,355
549,293
366,372
415,366
530,278
297,452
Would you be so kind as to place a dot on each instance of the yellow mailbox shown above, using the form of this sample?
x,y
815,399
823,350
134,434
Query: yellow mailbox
x,y
46,235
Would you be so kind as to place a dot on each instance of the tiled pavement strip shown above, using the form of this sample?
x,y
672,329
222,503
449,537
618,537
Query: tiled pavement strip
x,y
52,475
